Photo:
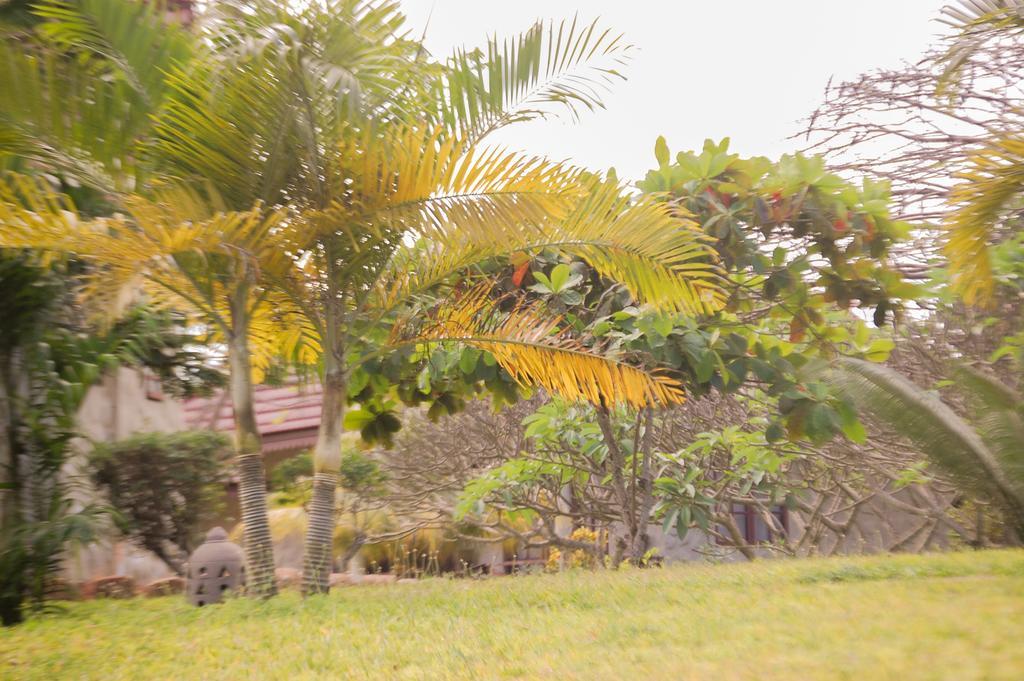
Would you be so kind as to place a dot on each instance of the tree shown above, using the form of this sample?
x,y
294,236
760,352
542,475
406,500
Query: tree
x,y
799,246
49,356
389,150
127,76
397,199
363,483
177,252
946,132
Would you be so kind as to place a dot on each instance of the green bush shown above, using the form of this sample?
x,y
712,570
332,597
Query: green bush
x,y
163,487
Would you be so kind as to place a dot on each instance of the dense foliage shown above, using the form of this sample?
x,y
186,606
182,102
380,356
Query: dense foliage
x,y
50,355
164,488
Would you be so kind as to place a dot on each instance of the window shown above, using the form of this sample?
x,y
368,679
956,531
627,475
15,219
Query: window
x,y
752,525
151,384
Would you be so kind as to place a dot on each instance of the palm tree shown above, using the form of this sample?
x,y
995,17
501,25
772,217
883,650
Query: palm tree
x,y
338,186
985,454
402,198
199,249
175,251
389,261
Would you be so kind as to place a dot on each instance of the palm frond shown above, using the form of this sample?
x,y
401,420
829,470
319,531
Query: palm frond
x,y
565,66
998,413
641,243
131,36
976,22
951,443
662,259
993,178
196,256
236,134
280,333
414,182
988,392
428,183
351,53
33,214
175,248
1003,432
59,114
527,343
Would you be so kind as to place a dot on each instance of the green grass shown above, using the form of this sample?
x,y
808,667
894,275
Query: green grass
x,y
950,616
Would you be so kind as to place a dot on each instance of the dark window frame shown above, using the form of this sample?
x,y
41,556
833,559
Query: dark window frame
x,y
751,517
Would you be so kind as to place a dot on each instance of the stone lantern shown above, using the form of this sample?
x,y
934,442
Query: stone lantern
x,y
214,568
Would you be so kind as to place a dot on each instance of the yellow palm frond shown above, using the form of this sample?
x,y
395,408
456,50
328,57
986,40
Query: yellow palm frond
x,y
280,332
526,342
197,256
977,22
662,259
176,249
426,182
35,215
994,177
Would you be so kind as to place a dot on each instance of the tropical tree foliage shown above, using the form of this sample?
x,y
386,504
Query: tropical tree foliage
x,y
984,454
800,247
401,207
986,199
49,357
312,181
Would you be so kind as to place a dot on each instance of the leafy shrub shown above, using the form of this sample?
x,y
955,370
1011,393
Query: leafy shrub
x,y
163,486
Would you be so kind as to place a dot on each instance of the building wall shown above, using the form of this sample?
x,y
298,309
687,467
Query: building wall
x,y
121,405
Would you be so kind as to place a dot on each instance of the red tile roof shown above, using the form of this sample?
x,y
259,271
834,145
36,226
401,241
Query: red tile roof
x,y
287,415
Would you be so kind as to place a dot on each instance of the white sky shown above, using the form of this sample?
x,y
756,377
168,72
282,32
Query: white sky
x,y
747,69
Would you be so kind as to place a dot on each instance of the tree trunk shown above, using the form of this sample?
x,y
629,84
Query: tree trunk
x,y
645,501
316,569
616,463
252,479
357,543
8,457
12,581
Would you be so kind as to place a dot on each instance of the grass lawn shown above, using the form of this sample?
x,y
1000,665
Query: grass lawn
x,y
949,616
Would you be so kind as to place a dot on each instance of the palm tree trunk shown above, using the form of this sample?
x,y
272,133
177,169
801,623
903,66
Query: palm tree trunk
x,y
252,479
316,570
8,456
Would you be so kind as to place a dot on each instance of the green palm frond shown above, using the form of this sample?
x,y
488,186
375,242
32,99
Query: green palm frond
x,y
131,36
80,93
993,178
998,413
1003,432
56,113
351,53
236,134
949,441
527,343
988,392
565,66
